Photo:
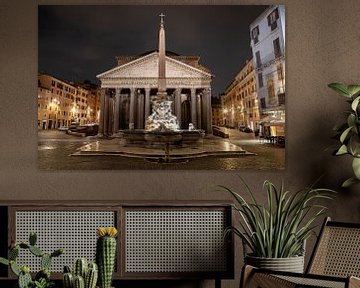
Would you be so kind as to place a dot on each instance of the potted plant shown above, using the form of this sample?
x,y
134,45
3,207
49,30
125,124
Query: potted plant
x,y
349,132
42,278
84,274
276,233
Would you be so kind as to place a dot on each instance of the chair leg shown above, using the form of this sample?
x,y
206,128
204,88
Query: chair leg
x,y
246,273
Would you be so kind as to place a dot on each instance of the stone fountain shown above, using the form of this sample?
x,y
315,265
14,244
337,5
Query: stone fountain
x,y
162,127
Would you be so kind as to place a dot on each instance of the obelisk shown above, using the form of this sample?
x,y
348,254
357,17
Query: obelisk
x,y
161,118
162,52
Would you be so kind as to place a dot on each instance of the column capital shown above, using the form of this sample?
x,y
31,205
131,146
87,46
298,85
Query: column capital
x,y
117,92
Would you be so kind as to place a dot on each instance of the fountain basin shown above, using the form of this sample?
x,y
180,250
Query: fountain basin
x,y
178,138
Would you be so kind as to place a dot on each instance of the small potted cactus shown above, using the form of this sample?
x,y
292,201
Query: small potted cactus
x,y
42,278
85,275
106,254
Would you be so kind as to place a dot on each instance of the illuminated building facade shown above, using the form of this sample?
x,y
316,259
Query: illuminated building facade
x,y
267,35
239,102
60,103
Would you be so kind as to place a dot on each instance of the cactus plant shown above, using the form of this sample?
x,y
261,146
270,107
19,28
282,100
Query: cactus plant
x,y
91,275
106,254
24,277
42,278
68,280
79,282
80,267
84,274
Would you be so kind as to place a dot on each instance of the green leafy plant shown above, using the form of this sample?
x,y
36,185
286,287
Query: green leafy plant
x,y
349,132
279,229
42,278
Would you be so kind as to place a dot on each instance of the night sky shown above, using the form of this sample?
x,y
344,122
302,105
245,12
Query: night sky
x,y
76,43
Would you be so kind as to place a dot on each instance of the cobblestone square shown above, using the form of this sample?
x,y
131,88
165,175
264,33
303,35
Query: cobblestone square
x,y
57,150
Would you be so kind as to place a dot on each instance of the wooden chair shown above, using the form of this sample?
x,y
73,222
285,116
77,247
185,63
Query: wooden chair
x,y
335,262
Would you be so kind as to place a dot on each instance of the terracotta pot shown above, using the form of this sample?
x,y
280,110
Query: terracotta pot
x,y
291,264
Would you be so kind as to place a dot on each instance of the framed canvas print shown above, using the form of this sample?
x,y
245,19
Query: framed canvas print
x,y
133,87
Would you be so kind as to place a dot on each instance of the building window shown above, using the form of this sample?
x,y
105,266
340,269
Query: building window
x,y
258,59
255,34
272,19
262,103
260,78
52,83
281,98
280,73
277,49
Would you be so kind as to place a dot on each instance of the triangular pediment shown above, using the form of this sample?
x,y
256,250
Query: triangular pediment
x,y
147,67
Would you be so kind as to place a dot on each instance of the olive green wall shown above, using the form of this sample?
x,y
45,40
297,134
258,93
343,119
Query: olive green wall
x,y
322,46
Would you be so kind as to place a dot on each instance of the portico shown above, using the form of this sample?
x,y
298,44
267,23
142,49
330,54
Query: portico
x,y
127,90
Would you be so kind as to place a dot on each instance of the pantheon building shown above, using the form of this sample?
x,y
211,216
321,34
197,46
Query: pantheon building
x,y
128,88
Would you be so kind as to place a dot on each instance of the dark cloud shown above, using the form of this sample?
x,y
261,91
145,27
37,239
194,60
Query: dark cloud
x,y
79,42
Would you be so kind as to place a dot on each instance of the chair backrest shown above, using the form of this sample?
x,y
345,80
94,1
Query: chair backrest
x,y
337,251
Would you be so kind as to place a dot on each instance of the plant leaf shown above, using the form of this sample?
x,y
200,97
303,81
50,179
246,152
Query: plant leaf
x,y
342,150
353,89
349,182
345,134
356,167
355,103
351,119
340,88
4,261
354,146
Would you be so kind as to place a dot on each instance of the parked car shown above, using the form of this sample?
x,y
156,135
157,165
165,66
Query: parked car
x,y
248,130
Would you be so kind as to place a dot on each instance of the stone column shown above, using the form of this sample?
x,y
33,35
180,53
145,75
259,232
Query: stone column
x,y
117,110
204,116
132,109
111,114
193,108
178,104
127,111
140,111
208,112
106,113
198,110
101,120
147,103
